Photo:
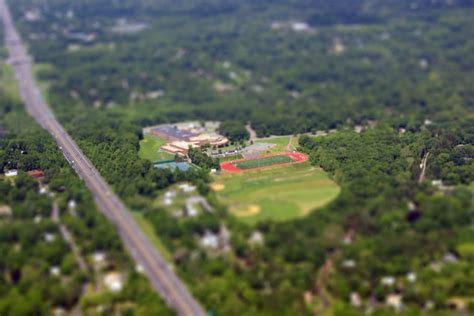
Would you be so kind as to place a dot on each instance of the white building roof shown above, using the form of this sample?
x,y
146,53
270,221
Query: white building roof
x,y
210,240
11,173
113,281
5,210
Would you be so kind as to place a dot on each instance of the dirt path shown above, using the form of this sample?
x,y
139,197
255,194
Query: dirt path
x,y
253,134
423,164
290,147
323,276
320,286
68,238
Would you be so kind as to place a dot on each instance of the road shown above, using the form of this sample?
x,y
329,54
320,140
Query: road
x,y
67,237
161,276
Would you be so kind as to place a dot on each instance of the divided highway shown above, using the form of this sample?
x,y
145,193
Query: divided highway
x,y
163,279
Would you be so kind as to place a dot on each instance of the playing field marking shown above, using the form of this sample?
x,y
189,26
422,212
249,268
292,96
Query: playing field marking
x,y
232,166
285,193
250,210
217,186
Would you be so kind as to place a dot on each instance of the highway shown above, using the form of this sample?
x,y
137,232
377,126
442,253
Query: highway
x,y
161,276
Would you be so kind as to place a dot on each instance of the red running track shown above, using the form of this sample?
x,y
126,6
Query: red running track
x,y
231,168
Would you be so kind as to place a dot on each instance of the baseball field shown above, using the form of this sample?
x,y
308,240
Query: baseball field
x,y
279,194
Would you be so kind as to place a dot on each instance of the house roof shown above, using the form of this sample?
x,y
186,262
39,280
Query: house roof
x,y
36,173
5,210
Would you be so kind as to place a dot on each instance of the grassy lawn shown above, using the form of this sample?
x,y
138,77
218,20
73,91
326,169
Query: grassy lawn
x,y
149,149
44,85
7,80
149,232
295,141
262,162
280,194
471,187
230,158
280,142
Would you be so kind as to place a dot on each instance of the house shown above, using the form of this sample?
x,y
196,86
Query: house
x,y
394,301
190,207
450,258
11,173
187,188
37,174
59,311
220,241
37,219
55,270
457,304
98,257
308,297
139,269
71,205
113,281
349,264
169,196
388,281
355,300
5,210
210,240
256,238
224,239
49,237
411,277
300,27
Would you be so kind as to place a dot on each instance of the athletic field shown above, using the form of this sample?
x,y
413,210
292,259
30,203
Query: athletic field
x,y
278,194
263,162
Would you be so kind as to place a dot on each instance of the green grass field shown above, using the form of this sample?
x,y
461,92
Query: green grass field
x,y
262,162
471,187
278,194
7,80
280,142
230,158
149,149
44,85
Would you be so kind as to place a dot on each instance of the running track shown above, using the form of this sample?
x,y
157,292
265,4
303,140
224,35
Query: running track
x,y
230,167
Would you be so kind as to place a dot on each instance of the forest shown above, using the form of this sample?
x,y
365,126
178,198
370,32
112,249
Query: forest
x,y
399,72
407,64
39,272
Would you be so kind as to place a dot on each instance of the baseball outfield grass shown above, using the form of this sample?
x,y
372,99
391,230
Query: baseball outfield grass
x,y
278,194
